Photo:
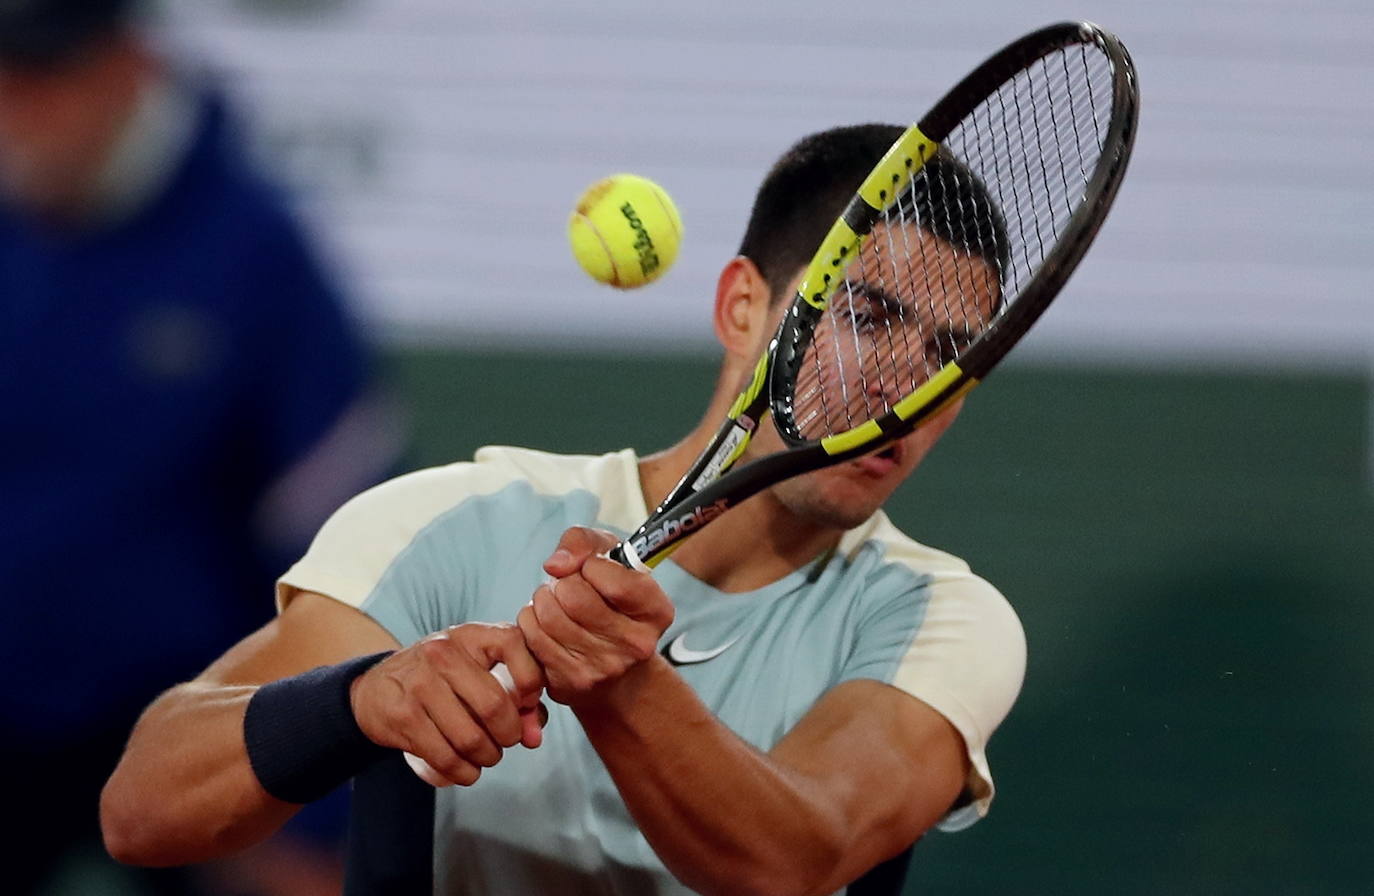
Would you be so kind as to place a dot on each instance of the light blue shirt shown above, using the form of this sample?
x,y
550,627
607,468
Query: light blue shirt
x,y
465,543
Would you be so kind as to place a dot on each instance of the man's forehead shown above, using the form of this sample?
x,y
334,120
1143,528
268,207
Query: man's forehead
x,y
908,261
909,242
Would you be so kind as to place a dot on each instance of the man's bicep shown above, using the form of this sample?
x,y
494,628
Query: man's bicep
x,y
312,630
888,761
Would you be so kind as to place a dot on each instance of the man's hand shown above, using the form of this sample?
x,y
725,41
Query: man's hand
x,y
595,620
438,700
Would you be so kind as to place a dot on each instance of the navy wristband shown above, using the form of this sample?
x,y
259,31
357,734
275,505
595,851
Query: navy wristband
x,y
302,738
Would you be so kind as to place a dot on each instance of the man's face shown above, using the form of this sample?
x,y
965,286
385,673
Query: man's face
x,y
55,126
913,301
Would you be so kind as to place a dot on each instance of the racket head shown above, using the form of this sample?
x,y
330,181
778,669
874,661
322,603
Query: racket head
x,y
950,249
956,242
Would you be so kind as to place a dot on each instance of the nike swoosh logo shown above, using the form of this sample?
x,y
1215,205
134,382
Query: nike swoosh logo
x,y
679,654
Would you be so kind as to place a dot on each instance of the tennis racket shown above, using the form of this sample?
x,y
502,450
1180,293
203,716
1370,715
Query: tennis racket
x,y
950,250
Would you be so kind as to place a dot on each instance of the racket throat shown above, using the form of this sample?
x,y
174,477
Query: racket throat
x,y
729,444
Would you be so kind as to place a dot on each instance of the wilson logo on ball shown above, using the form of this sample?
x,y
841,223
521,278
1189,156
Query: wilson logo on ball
x,y
644,244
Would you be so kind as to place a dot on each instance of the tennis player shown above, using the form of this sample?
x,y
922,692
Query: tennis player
x,y
797,695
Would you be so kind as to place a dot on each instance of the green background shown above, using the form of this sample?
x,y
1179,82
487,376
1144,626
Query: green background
x,y
1190,553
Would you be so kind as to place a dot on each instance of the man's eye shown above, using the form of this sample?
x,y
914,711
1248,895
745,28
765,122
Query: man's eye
x,y
860,319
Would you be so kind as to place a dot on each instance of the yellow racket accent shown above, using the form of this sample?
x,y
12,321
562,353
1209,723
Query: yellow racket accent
x,y
957,394
659,558
826,270
907,156
861,435
747,397
908,406
851,438
841,245
738,450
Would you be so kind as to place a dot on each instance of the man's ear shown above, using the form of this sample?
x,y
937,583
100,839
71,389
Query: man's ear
x,y
743,302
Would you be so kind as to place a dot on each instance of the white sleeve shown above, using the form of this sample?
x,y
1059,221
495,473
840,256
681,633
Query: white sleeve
x,y
364,537
967,661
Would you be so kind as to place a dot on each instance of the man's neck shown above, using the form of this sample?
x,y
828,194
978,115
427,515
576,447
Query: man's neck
x,y
758,542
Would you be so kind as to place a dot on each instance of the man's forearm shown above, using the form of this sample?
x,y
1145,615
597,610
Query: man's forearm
x,y
184,790
722,816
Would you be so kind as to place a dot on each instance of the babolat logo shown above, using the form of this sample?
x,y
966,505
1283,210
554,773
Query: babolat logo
x,y
644,244
670,529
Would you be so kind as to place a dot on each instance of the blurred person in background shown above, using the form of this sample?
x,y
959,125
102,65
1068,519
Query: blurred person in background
x,y
184,400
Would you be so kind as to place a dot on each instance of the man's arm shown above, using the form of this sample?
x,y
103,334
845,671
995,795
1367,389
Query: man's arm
x,y
865,773
185,789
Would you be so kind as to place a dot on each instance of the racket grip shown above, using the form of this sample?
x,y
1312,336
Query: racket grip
x,y
423,770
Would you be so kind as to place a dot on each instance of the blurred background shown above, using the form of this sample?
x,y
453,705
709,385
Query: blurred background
x,y
1172,479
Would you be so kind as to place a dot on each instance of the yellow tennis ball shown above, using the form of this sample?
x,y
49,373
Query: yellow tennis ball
x,y
625,231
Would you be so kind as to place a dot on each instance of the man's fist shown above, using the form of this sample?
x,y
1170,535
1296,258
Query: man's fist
x,y
439,701
594,620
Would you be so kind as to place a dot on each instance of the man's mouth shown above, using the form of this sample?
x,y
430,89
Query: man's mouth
x,y
881,463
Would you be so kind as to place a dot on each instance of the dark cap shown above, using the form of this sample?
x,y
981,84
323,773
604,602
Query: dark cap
x,y
43,32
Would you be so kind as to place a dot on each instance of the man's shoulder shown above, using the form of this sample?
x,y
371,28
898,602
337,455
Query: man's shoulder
x,y
946,580
549,472
425,494
895,546
438,511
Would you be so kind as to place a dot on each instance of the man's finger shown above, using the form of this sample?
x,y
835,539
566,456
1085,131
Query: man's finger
x,y
627,591
516,668
532,723
432,752
576,545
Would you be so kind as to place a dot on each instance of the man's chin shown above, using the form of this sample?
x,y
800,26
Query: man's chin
x,y
815,508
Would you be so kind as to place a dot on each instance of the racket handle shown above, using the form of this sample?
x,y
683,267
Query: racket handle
x,y
626,555
423,770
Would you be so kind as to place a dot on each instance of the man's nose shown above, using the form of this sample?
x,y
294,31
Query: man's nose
x,y
887,386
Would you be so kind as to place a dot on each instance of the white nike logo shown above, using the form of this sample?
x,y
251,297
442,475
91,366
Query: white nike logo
x,y
679,654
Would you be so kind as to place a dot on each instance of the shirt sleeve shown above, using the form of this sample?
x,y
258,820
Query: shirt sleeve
x,y
966,659
416,553
376,554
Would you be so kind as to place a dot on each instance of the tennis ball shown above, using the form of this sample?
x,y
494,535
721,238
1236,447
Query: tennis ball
x,y
625,231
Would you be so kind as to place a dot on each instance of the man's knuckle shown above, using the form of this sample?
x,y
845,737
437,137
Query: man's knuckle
x,y
434,651
468,743
488,757
643,647
402,714
487,706
572,597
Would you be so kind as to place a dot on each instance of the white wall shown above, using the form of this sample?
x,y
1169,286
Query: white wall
x,y
441,145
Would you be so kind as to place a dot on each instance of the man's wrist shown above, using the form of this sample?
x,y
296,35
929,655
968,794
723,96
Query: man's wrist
x,y
621,695
301,735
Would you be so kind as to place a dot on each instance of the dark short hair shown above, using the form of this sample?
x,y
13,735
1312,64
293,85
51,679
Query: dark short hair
x,y
38,33
809,186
